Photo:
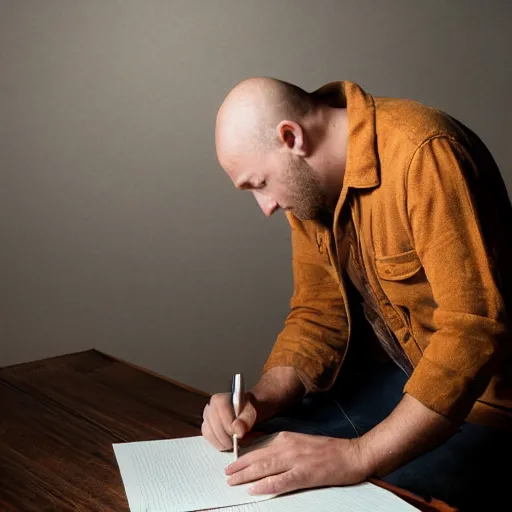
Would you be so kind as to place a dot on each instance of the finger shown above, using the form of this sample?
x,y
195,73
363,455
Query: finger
x,y
265,453
277,484
240,427
239,464
245,420
205,428
208,432
218,428
224,411
210,436
262,467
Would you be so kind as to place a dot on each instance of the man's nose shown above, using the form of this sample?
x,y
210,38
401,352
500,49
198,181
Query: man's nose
x,y
267,205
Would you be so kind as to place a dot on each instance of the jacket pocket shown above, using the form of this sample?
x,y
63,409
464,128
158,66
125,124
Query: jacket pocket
x,y
401,277
398,267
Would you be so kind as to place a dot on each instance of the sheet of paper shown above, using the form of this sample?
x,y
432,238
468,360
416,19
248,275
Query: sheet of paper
x,y
182,475
179,475
357,498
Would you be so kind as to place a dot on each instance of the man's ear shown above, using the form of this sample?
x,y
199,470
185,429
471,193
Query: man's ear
x,y
291,136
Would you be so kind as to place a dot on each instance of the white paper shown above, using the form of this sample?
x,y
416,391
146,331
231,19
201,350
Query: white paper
x,y
363,497
187,474
179,475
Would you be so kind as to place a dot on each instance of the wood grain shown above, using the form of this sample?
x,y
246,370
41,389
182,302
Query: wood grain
x,y
60,416
51,458
130,403
58,421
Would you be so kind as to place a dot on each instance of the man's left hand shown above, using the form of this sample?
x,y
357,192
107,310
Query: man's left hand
x,y
294,461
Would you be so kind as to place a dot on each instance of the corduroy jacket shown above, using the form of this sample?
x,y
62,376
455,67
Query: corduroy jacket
x,y
425,222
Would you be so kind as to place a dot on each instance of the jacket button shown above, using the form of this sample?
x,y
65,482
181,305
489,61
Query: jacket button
x,y
407,337
320,243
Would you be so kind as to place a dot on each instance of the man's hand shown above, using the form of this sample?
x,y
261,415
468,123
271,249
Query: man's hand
x,y
219,423
277,388
294,461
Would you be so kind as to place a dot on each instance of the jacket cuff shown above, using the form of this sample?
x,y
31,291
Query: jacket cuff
x,y
442,389
314,375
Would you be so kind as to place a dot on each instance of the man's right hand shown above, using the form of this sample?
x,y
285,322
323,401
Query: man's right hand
x,y
219,423
277,388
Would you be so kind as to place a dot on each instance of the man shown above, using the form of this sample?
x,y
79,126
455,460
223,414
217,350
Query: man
x,y
398,216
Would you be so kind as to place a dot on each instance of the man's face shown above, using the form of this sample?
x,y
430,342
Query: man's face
x,y
304,195
281,181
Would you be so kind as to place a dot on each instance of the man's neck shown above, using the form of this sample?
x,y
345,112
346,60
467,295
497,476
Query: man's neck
x,y
332,151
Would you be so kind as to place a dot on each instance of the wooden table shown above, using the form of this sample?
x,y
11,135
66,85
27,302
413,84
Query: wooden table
x,y
60,416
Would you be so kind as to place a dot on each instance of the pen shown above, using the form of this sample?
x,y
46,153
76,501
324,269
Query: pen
x,y
237,393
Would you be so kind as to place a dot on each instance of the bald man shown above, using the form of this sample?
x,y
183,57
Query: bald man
x,y
399,221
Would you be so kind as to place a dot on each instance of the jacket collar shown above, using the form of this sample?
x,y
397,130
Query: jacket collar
x,y
362,166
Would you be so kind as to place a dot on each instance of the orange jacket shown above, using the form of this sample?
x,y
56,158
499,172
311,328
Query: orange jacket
x,y
424,221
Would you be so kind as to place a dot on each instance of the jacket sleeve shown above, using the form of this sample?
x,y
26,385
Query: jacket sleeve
x,y
315,334
470,335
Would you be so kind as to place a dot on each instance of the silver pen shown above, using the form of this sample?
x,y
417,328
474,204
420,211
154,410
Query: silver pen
x,y
237,395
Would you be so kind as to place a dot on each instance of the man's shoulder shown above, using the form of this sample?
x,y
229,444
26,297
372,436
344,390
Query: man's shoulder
x,y
409,123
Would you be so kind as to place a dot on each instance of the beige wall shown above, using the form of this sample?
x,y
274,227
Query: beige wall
x,y
119,230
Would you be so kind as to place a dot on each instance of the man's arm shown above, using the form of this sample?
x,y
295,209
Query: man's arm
x,y
316,331
469,340
277,389
469,337
409,431
458,362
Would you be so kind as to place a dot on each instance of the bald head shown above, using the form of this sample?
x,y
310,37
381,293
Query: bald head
x,y
282,144
250,113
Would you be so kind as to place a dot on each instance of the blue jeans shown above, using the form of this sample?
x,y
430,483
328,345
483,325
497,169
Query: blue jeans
x,y
464,471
